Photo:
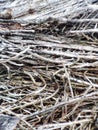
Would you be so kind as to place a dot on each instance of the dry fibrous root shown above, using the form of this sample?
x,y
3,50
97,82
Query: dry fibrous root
x,y
49,80
49,65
